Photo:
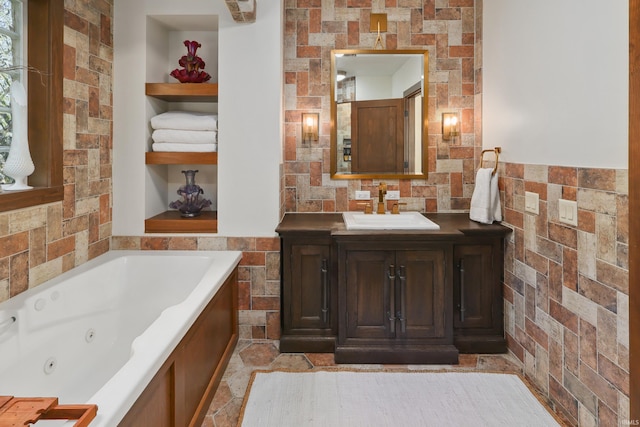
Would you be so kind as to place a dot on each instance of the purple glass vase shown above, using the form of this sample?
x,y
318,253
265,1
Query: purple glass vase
x,y
192,201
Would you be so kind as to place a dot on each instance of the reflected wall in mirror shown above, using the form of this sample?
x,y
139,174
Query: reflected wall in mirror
x,y
379,113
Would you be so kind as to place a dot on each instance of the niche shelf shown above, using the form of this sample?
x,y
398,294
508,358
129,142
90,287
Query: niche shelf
x,y
179,158
183,92
172,222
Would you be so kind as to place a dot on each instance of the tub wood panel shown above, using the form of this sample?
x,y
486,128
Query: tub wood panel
x,y
155,407
181,392
208,342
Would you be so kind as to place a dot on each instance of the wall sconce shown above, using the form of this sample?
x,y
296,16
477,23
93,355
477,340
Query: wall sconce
x,y
450,126
310,127
341,75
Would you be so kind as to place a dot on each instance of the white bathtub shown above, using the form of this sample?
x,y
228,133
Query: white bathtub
x,y
100,332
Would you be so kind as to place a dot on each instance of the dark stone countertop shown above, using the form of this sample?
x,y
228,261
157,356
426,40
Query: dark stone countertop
x,y
451,224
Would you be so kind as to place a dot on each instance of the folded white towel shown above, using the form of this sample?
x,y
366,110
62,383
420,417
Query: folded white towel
x,y
185,120
177,147
485,201
185,136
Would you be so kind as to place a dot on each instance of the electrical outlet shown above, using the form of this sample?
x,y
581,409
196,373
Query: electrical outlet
x,y
393,195
568,212
531,202
363,195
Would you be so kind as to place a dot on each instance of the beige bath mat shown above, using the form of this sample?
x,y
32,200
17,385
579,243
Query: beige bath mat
x,y
370,399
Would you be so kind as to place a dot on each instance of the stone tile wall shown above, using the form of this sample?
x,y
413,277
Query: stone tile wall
x,y
447,29
567,288
42,242
258,278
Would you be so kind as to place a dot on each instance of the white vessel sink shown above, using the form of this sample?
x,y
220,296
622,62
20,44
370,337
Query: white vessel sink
x,y
402,221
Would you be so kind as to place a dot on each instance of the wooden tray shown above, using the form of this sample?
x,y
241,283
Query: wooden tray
x,y
19,411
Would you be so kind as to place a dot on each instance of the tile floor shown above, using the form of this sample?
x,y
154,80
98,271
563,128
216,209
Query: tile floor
x,y
251,355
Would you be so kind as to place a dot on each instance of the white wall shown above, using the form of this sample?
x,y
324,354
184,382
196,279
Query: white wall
x,y
555,81
408,75
250,58
373,87
249,110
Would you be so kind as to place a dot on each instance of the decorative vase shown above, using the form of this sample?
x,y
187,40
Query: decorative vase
x,y
19,164
192,202
192,65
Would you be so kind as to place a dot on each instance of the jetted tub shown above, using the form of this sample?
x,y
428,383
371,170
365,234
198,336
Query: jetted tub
x,y
130,331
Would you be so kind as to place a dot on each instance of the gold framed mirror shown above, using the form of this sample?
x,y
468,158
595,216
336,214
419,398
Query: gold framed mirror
x,y
379,126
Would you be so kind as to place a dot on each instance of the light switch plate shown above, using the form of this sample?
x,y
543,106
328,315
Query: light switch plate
x,y
363,195
531,202
393,195
568,212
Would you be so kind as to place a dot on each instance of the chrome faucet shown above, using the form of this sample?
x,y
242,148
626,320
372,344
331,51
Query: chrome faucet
x,y
382,190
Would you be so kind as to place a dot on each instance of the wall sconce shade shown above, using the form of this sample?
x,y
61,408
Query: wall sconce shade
x,y
450,126
310,122
341,75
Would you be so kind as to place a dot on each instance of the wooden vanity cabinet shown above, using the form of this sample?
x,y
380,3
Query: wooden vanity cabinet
x,y
391,296
477,294
394,303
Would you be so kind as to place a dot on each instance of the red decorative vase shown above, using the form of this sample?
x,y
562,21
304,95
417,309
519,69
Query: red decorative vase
x,y
192,65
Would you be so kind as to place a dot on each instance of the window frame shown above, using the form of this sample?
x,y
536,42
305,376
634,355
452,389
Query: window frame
x,y
45,52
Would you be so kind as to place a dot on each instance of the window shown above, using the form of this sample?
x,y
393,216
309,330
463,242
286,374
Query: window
x,y
44,23
11,55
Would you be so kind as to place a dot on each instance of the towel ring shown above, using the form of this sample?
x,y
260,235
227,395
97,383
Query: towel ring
x,y
497,151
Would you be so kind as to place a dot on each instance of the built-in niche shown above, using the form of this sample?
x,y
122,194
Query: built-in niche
x,y
165,36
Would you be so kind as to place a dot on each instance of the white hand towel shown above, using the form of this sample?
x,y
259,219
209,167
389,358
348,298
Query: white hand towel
x,y
485,197
495,198
185,120
177,147
185,136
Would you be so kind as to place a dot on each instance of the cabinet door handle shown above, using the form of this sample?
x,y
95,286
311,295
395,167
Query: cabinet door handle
x,y
325,289
462,304
403,289
391,277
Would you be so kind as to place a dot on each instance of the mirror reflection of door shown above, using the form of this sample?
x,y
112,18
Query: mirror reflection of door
x,y
377,138
413,129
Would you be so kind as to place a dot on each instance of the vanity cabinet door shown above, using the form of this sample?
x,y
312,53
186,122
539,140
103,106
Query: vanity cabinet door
x,y
477,295
309,291
474,287
370,284
420,287
308,299
395,294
